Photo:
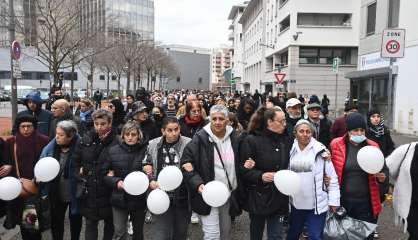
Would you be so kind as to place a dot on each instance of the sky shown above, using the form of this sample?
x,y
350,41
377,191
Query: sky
x,y
198,23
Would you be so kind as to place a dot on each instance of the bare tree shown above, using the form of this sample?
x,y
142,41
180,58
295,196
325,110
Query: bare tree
x,y
58,21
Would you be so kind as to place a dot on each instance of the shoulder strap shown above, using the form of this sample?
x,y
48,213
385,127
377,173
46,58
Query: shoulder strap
x,y
15,155
407,150
223,165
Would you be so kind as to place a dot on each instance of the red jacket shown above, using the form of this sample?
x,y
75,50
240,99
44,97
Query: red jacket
x,y
338,151
339,127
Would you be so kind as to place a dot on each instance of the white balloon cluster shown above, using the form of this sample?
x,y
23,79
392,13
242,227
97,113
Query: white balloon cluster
x,y
46,169
169,179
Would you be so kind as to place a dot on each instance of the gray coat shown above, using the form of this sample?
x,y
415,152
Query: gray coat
x,y
179,196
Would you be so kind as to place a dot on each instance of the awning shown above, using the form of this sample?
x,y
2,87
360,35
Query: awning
x,y
371,72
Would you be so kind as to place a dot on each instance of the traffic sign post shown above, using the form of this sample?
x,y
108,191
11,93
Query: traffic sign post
x,y
335,68
393,46
280,77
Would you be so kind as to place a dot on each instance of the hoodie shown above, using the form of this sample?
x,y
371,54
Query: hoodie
x,y
43,117
228,158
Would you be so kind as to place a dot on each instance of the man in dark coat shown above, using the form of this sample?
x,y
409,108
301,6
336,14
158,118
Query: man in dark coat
x,y
61,111
140,115
33,104
95,196
97,97
339,127
322,126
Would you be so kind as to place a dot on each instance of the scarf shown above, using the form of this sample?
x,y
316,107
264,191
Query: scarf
x,y
83,115
377,130
191,122
27,156
103,134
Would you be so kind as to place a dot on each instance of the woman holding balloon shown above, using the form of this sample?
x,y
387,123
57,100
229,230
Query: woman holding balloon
x,y
164,153
21,154
359,188
62,190
311,203
268,145
119,162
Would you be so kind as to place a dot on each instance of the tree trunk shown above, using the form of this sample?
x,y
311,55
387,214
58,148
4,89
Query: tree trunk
x,y
72,82
148,78
119,92
128,77
108,81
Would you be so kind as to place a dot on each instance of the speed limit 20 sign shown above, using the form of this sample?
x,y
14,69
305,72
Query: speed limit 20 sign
x,y
393,43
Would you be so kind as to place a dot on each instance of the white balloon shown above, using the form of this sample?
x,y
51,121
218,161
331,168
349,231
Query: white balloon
x,y
215,193
10,188
370,159
158,201
170,178
46,169
136,183
287,182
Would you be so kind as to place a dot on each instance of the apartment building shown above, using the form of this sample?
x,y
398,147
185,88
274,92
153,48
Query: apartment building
x,y
300,39
371,86
221,62
236,37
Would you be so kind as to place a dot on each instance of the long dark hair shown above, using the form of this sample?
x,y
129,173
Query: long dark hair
x,y
259,119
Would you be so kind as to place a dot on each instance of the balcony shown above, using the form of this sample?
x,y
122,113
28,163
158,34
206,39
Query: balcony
x,y
231,37
231,27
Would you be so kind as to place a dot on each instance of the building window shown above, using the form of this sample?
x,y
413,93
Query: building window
x,y
102,77
285,24
284,58
178,79
283,2
200,80
114,78
324,19
371,19
393,18
313,55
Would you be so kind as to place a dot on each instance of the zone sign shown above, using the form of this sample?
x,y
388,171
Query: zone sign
x,y
393,43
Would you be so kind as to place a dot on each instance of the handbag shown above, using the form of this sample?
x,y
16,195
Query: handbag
x,y
29,187
234,205
36,215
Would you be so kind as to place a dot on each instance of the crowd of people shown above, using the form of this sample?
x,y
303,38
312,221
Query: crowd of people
x,y
241,140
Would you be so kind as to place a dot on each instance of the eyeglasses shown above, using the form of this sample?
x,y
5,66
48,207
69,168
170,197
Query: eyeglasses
x,y
131,134
283,121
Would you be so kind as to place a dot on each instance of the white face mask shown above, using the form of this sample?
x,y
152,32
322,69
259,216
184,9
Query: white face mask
x,y
358,138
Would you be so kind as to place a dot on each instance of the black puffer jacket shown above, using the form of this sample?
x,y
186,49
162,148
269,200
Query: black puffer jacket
x,y
123,159
199,152
95,204
270,151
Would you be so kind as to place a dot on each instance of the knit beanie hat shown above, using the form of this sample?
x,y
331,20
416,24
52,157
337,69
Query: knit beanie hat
x,y
354,121
26,118
372,112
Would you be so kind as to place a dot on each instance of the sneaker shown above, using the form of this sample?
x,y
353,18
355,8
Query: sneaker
x,y
148,217
130,228
375,234
195,218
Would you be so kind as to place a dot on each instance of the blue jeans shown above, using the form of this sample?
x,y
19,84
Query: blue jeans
x,y
300,218
274,227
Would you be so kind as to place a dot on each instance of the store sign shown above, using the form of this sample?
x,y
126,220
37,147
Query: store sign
x,y
372,61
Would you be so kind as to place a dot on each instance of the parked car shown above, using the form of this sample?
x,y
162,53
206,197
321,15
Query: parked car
x,y
5,95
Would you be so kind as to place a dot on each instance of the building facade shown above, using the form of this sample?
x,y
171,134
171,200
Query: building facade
x,y
371,86
221,65
120,18
300,39
193,68
237,54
